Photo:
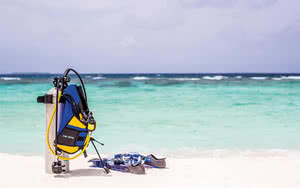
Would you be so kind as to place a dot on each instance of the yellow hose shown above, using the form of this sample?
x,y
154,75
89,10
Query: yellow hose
x,y
48,143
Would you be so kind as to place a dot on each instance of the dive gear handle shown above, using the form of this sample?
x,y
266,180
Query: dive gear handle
x,y
46,99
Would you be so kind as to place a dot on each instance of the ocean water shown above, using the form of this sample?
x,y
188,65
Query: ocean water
x,y
163,113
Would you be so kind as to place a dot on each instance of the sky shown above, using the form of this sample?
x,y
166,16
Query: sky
x,y
135,36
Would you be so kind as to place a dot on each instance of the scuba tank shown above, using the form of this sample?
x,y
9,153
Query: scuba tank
x,y
74,128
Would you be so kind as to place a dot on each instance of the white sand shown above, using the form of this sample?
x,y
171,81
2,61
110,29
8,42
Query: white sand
x,y
251,171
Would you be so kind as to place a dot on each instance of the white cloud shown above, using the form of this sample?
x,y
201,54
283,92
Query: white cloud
x,y
128,42
168,32
252,4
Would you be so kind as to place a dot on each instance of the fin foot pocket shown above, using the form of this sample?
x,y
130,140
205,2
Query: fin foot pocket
x,y
155,162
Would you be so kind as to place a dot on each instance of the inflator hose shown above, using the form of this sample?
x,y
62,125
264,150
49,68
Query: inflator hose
x,y
48,142
66,73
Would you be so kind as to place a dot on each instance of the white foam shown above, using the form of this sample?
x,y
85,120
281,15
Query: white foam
x,y
292,77
10,78
140,78
287,78
258,78
238,77
185,79
277,79
214,77
98,78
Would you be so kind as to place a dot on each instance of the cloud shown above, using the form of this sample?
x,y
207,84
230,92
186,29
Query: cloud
x,y
186,35
155,14
253,4
207,3
128,42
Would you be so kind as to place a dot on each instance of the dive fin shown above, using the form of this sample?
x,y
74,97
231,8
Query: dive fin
x,y
153,161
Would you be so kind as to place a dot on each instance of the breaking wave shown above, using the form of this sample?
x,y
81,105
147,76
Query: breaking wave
x,y
140,78
185,79
258,78
99,78
287,78
293,77
10,78
214,77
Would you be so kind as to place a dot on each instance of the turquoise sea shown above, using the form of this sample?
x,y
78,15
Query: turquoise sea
x,y
164,113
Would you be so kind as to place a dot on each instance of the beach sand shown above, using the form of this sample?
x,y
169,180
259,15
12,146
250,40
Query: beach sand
x,y
250,171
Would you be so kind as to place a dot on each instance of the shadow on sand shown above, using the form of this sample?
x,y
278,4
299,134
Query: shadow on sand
x,y
83,172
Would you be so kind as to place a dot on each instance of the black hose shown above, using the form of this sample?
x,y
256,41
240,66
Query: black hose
x,y
81,82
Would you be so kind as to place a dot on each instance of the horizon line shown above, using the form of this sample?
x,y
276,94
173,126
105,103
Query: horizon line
x,y
51,73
